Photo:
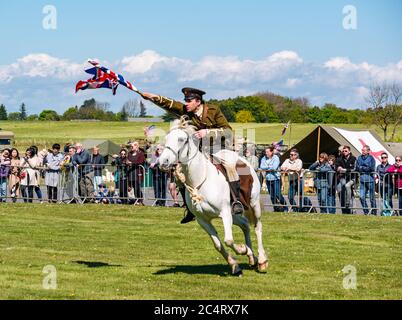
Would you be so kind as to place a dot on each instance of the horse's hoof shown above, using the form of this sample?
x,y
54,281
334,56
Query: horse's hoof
x,y
238,273
253,263
263,267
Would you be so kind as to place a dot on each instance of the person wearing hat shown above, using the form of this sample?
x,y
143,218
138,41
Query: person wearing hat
x,y
210,122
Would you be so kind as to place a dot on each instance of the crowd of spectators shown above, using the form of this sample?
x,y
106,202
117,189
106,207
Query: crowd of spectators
x,y
333,175
22,175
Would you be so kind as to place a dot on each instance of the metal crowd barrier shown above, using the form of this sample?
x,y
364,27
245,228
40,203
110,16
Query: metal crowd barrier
x,y
305,191
329,192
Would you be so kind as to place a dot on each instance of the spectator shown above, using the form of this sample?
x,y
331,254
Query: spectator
x,y
5,163
292,167
365,165
396,170
270,163
252,159
121,174
384,181
332,185
322,169
85,173
69,171
39,172
136,161
345,166
159,178
52,175
29,174
14,177
173,189
97,161
103,195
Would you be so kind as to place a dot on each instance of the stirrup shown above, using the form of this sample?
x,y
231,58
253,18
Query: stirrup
x,y
237,208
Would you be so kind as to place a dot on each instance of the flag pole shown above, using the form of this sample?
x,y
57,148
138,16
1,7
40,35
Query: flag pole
x,y
318,143
290,135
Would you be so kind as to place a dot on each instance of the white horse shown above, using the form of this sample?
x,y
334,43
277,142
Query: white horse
x,y
208,196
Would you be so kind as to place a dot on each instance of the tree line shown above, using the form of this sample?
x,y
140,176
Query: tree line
x,y
383,100
89,110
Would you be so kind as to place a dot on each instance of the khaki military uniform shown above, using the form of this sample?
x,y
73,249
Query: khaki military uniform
x,y
212,119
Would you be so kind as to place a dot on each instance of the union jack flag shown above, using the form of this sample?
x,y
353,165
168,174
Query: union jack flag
x,y
103,78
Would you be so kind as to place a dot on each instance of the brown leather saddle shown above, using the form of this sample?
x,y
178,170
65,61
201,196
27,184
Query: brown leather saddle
x,y
246,182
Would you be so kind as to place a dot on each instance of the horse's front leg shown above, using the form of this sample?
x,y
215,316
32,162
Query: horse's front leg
x,y
209,228
227,219
243,223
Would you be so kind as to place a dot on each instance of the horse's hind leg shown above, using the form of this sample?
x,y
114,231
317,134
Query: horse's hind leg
x,y
209,228
243,223
262,257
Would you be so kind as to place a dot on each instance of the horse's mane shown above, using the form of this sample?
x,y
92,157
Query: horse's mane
x,y
184,123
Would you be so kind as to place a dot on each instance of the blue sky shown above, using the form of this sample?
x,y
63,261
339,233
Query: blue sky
x,y
303,42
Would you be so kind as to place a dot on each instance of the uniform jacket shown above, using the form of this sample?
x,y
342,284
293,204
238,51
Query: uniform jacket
x,y
212,119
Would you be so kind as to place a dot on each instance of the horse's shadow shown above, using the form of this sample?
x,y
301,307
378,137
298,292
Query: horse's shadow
x,y
91,264
214,269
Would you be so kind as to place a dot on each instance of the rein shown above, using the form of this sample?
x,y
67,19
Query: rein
x,y
194,191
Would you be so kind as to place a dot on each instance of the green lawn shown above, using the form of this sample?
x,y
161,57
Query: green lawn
x,y
115,252
44,134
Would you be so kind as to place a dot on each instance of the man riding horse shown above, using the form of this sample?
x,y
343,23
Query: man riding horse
x,y
210,122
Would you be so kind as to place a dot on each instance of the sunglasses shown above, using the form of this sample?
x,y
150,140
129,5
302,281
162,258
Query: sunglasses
x,y
398,160
345,151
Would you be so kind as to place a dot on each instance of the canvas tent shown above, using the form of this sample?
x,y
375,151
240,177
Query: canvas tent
x,y
328,139
6,138
107,148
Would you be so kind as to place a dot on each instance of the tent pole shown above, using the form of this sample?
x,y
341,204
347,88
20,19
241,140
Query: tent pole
x,y
318,143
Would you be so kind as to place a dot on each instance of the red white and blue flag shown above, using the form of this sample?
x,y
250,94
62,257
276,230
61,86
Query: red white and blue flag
x,y
103,78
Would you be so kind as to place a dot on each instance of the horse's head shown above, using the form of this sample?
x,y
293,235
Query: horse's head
x,y
178,144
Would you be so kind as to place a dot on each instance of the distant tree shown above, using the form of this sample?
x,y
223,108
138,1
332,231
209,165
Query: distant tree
x,y
384,111
3,112
14,116
131,108
168,117
23,112
244,116
314,115
49,115
122,115
32,117
143,110
71,114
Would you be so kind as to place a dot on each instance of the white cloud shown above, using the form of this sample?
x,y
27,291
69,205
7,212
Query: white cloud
x,y
338,80
40,65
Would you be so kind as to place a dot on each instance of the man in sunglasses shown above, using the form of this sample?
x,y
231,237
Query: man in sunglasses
x,y
365,165
211,123
385,181
345,165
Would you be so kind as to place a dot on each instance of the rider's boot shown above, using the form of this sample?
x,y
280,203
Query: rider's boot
x,y
189,216
237,206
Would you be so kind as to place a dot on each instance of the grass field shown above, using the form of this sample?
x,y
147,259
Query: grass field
x,y
44,134
115,252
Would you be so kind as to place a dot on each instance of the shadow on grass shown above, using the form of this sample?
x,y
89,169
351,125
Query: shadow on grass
x,y
214,269
90,264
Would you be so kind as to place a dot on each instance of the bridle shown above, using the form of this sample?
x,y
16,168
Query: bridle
x,y
178,152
